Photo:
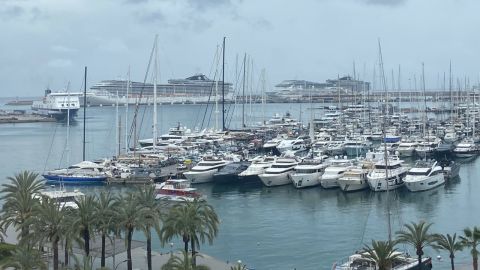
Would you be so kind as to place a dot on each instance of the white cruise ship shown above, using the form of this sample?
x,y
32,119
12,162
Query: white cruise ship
x,y
57,105
195,89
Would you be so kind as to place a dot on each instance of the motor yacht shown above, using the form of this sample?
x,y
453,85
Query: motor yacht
x,y
204,170
407,149
387,176
465,149
176,190
279,173
66,199
353,179
424,175
307,173
334,171
257,167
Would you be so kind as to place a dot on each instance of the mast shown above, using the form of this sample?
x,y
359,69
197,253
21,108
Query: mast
x,y
382,72
117,133
425,131
84,109
126,111
243,90
223,86
155,64
450,89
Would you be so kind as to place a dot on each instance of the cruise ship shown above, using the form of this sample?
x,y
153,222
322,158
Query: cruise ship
x,y
195,89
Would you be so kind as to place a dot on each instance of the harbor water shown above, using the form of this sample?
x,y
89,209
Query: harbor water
x,y
266,228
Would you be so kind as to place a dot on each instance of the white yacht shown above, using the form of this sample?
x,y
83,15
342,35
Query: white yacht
x,y
279,173
66,199
465,149
334,171
356,147
291,144
406,148
378,180
271,144
353,179
258,166
424,175
204,170
307,173
57,105
402,261
336,148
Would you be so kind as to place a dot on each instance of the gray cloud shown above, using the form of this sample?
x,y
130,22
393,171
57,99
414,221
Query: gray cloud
x,y
385,2
11,12
207,4
151,16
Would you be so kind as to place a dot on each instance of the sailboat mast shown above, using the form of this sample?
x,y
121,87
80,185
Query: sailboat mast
x,y
243,90
155,96
84,109
117,133
126,111
223,86
382,73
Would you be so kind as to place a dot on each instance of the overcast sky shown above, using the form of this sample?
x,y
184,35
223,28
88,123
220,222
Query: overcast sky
x,y
48,42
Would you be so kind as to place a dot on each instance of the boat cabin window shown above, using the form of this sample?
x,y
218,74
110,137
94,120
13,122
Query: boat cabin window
x,y
306,170
420,173
282,165
210,163
390,167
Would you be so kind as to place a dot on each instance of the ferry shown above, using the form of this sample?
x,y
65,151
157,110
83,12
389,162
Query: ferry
x,y
57,105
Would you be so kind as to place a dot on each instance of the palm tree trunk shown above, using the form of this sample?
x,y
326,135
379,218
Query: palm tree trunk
x,y
86,238
129,248
475,263
149,250
419,262
194,260
102,260
452,263
55,253
185,241
66,252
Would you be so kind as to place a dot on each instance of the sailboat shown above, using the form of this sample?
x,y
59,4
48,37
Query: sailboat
x,y
360,260
85,172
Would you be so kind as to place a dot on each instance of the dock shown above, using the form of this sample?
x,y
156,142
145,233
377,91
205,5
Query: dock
x,y
24,118
166,173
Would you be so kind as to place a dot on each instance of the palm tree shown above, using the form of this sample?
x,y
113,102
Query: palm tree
x,y
183,263
129,217
418,236
25,258
471,239
383,253
104,214
448,243
49,225
19,201
238,266
70,235
84,219
151,216
195,221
